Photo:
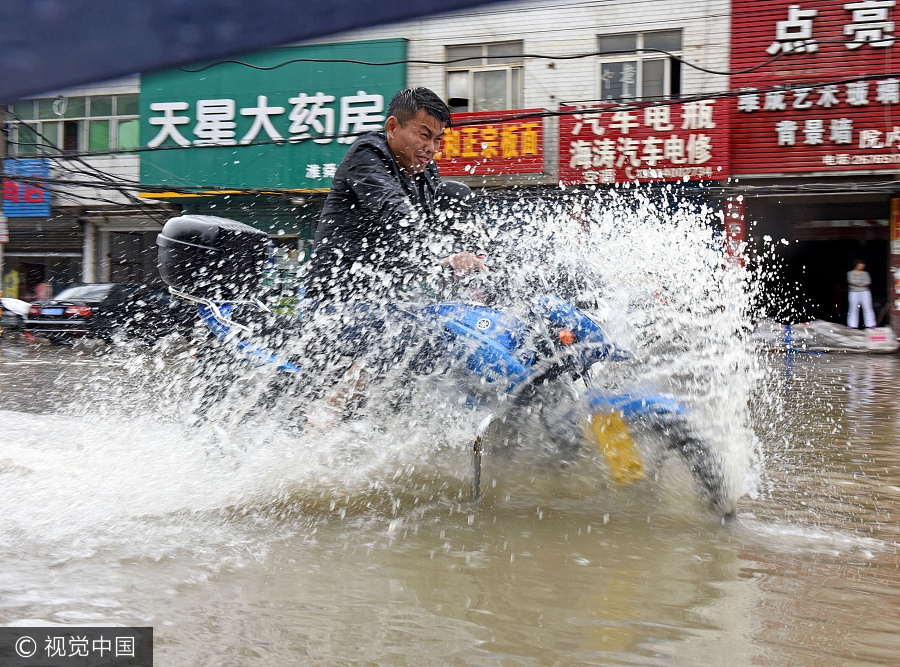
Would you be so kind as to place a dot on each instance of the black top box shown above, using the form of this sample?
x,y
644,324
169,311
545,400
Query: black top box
x,y
210,257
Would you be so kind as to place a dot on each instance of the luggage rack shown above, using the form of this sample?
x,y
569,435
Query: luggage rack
x,y
216,312
229,331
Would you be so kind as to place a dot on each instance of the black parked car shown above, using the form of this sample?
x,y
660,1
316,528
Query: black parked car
x,y
104,310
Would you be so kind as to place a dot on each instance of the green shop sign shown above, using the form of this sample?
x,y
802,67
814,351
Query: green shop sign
x,y
278,120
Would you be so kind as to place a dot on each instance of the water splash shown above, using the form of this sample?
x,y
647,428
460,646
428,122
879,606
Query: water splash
x,y
167,431
653,268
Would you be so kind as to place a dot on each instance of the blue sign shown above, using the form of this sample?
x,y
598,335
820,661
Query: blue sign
x,y
25,199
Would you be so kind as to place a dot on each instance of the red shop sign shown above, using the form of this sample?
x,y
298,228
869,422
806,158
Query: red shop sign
x,y
827,103
493,142
669,141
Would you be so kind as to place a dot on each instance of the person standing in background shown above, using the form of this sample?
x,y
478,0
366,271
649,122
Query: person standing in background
x,y
859,295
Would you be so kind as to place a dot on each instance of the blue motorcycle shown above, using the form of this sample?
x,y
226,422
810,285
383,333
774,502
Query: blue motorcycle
x,y
529,365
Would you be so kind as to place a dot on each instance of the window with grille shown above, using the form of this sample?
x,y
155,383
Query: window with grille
x,y
640,65
484,77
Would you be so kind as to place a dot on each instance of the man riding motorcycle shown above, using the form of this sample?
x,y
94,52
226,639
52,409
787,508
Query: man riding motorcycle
x,y
374,238
379,238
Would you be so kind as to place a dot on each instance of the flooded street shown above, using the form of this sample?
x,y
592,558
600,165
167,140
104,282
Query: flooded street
x,y
283,555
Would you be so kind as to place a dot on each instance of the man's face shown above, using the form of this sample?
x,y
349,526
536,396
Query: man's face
x,y
414,145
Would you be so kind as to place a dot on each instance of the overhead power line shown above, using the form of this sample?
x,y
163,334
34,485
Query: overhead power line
x,y
499,116
504,58
86,175
533,56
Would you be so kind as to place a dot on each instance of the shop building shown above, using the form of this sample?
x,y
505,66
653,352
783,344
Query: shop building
x,y
798,143
504,62
259,137
815,133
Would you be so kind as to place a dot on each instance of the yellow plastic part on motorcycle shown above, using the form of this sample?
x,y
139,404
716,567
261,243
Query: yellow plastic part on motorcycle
x,y
611,436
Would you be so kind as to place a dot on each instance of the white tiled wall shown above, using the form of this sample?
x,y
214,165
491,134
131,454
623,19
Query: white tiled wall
x,y
561,29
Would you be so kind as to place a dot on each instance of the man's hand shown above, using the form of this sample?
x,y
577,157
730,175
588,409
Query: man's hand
x,y
464,264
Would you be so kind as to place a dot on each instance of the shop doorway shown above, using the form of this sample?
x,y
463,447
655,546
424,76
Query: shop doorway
x,y
817,263
820,266
804,246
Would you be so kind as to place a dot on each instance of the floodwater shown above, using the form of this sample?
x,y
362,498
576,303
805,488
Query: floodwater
x,y
157,487
281,552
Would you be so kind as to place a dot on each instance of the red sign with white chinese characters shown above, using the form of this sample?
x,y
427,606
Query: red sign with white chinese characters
x,y
827,100
671,141
493,142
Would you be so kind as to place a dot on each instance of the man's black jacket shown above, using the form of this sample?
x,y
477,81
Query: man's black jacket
x,y
371,242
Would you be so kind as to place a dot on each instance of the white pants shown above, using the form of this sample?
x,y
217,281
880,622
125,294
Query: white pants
x,y
857,300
